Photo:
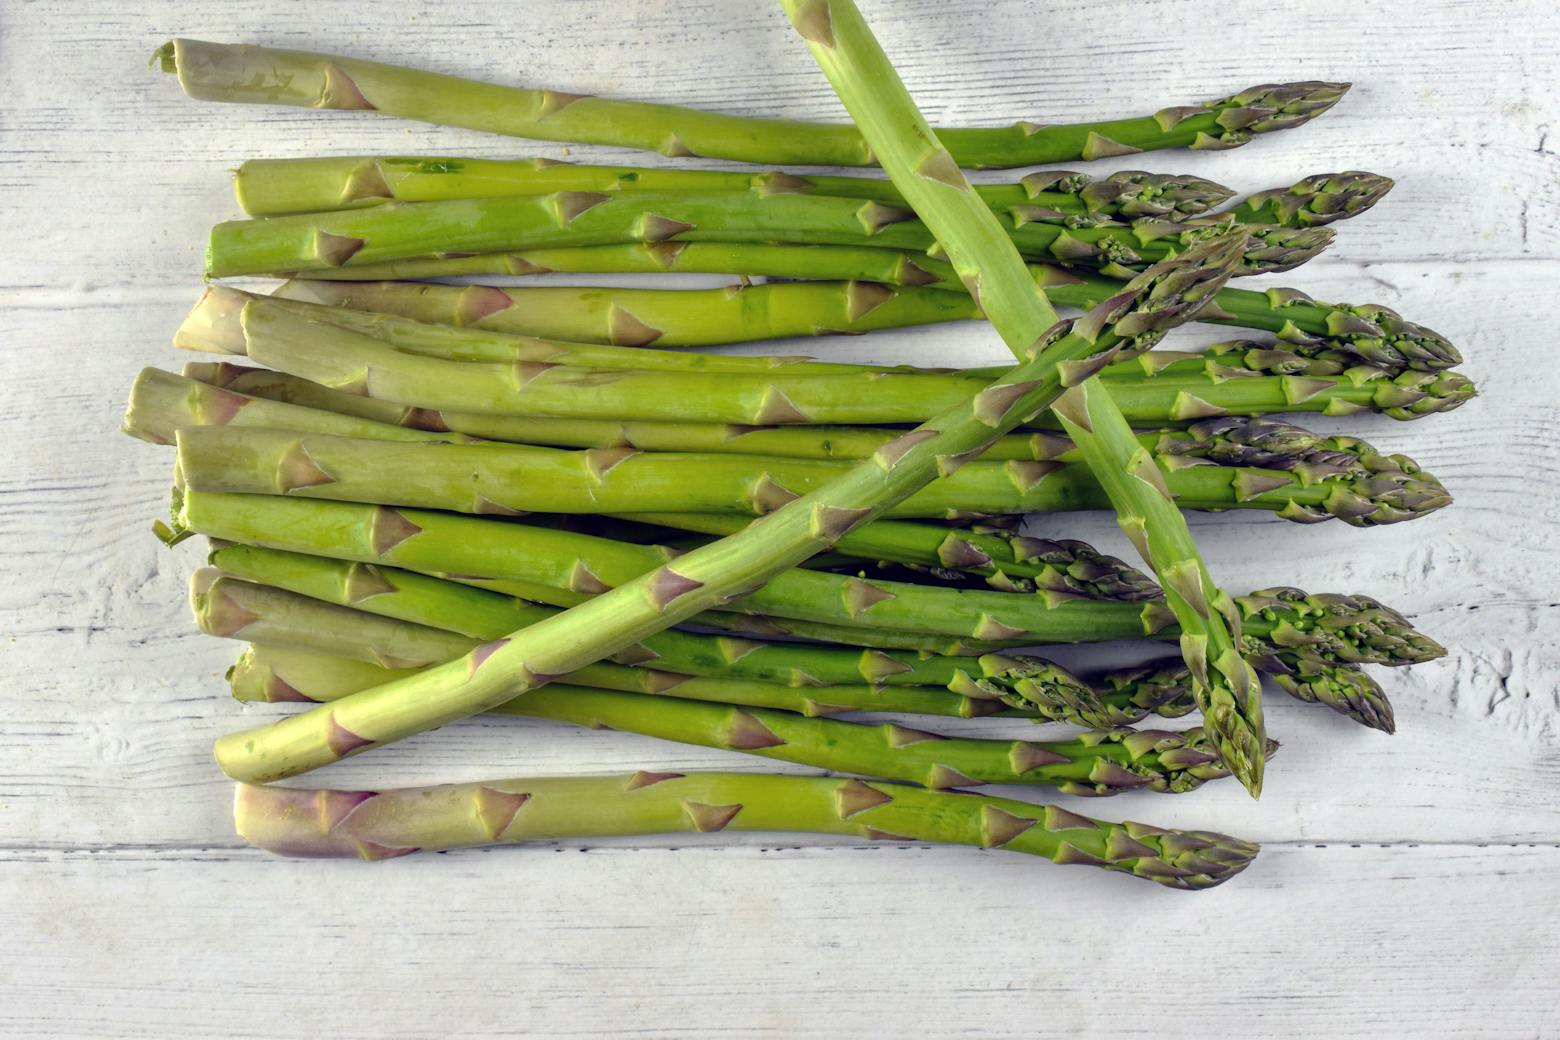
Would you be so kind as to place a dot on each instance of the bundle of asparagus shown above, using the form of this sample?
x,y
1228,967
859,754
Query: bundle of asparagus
x,y
436,500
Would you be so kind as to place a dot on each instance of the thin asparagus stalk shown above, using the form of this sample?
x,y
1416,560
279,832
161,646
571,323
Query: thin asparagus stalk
x,y
1347,629
1370,333
279,187
710,575
339,358
274,618
264,75
374,825
426,602
1226,688
818,680
1216,464
407,230
1095,763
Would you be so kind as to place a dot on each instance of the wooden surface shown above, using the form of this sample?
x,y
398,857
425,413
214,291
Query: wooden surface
x,y
1408,883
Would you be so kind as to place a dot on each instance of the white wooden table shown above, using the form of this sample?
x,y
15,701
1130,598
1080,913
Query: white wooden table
x,y
1408,886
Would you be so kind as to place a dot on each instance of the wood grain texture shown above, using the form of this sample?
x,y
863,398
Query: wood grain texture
x,y
1407,885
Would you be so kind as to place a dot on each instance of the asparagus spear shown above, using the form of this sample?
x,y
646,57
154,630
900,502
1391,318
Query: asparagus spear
x,y
161,402
1215,464
426,602
216,325
705,577
279,187
405,230
264,75
818,680
339,358
1370,333
1348,629
375,825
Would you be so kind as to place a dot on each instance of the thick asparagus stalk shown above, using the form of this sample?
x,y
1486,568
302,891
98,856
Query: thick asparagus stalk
x,y
380,824
216,325
340,358
1215,464
264,75
406,230
1354,333
817,680
278,187
705,577
1348,629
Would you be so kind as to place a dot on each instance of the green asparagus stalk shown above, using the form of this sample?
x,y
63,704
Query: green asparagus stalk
x,y
1099,763
406,230
340,359
641,317
817,680
161,402
216,325
279,187
281,620
1216,464
264,75
1347,629
374,825
710,575
1226,687
1356,333
426,602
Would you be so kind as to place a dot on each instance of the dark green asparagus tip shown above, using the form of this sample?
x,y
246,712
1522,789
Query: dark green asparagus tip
x,y
1033,684
1364,488
1275,249
1134,193
1188,860
1162,687
1316,200
1399,391
1168,293
1158,760
1345,629
1375,334
1083,570
1276,106
1344,688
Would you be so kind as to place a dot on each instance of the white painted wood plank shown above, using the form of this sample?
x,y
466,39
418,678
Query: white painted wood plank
x,y
1433,942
